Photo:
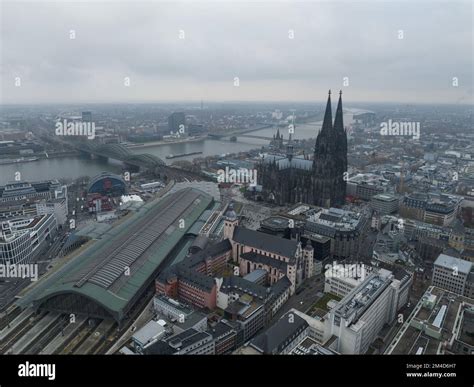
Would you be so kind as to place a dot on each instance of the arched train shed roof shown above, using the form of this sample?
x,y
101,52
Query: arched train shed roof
x,y
110,275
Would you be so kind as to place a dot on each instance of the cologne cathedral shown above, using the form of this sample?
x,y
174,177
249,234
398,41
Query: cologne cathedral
x,y
288,179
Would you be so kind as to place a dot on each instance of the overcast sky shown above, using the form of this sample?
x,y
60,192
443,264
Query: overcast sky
x,y
225,40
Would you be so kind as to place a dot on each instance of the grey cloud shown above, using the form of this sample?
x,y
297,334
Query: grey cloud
x,y
235,39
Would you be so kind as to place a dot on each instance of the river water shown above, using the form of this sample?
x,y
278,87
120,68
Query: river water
x,y
74,167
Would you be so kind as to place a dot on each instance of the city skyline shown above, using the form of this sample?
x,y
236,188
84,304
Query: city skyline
x,y
237,178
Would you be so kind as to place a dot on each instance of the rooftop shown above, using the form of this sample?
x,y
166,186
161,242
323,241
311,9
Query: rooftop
x,y
265,242
435,320
209,252
177,342
222,328
140,243
174,304
244,307
280,334
275,222
356,302
466,333
328,221
265,260
255,275
451,263
150,331
385,197
308,346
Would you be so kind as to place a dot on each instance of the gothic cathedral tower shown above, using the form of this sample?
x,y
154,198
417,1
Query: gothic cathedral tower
x,y
330,159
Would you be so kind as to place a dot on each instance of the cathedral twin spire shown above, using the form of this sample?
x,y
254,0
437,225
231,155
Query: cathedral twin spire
x,y
327,122
330,135
330,158
338,124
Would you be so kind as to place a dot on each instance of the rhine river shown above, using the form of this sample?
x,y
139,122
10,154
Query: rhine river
x,y
74,167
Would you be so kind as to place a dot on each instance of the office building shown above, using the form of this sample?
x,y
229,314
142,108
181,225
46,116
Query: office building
x,y
440,323
188,342
22,239
453,274
341,279
364,186
171,309
176,121
147,335
384,204
225,337
438,209
359,317
341,226
282,337
248,314
19,191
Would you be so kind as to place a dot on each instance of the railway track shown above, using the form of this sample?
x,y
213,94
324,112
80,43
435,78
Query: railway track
x,y
38,345
66,333
77,340
15,333
40,328
27,332
95,338
11,313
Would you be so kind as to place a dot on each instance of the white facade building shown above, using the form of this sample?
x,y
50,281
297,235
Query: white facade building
x,y
20,238
361,314
451,273
341,279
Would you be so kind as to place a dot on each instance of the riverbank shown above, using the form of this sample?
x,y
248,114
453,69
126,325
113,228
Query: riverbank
x,y
39,156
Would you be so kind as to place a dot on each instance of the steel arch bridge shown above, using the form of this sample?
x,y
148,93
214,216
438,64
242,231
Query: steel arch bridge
x,y
119,152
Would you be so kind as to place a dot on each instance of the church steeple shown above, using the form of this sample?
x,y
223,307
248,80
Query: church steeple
x,y
325,140
289,146
327,122
338,122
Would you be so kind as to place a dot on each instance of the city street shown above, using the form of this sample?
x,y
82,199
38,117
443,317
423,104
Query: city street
x,y
311,293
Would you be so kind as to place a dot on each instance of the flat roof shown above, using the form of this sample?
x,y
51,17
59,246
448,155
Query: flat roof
x,y
255,275
309,346
450,263
385,197
357,301
151,330
431,323
275,221
174,304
